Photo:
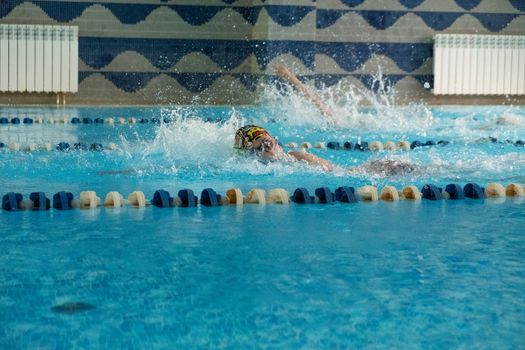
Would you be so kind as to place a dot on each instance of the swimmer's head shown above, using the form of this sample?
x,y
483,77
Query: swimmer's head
x,y
256,139
246,135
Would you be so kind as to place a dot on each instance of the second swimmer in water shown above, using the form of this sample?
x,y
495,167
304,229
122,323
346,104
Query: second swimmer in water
x,y
259,141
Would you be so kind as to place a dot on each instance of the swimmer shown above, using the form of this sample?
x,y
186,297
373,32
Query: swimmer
x,y
259,141
386,167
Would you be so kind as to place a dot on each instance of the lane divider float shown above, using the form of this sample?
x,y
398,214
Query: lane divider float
x,y
347,145
377,146
209,198
61,146
374,146
84,120
491,139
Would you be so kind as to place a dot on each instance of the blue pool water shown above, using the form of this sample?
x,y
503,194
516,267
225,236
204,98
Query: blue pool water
x,y
445,274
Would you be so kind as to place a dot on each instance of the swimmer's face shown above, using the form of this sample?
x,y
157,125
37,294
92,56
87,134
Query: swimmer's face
x,y
265,147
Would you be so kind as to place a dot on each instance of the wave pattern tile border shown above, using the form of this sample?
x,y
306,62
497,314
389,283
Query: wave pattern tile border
x,y
100,52
284,15
282,23
165,53
196,15
493,22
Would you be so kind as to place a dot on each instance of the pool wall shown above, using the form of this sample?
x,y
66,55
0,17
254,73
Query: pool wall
x,y
220,52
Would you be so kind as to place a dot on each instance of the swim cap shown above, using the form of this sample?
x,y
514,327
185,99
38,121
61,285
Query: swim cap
x,y
248,134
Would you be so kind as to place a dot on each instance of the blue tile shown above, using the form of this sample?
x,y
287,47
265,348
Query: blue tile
x,y
7,6
195,82
130,14
411,3
352,3
129,81
518,4
250,14
494,22
288,16
468,4
381,19
327,18
439,20
196,15
63,11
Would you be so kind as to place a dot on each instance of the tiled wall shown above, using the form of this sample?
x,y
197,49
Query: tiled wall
x,y
213,51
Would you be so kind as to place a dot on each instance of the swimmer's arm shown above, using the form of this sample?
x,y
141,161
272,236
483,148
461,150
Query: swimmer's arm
x,y
285,73
312,159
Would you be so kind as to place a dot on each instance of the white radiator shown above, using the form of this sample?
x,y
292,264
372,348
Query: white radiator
x,y
38,58
479,64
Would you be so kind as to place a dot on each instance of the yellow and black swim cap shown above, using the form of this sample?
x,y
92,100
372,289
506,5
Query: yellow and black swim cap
x,y
248,134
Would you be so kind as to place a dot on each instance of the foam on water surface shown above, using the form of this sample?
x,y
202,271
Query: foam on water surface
x,y
196,144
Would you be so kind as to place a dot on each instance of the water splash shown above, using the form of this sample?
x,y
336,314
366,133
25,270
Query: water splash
x,y
193,143
356,110
188,139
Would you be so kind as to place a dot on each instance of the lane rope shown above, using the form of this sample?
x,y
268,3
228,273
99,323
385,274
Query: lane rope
x,y
335,145
84,120
38,201
61,146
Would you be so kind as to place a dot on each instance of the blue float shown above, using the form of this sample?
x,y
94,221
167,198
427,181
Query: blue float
x,y
302,196
11,201
40,201
333,145
15,121
62,200
155,120
520,143
443,142
188,199
431,192
345,194
27,121
2,145
348,145
143,121
416,144
473,191
325,195
455,191
75,120
210,198
80,146
99,121
4,120
63,146
430,143
96,147
361,146
161,199
87,121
